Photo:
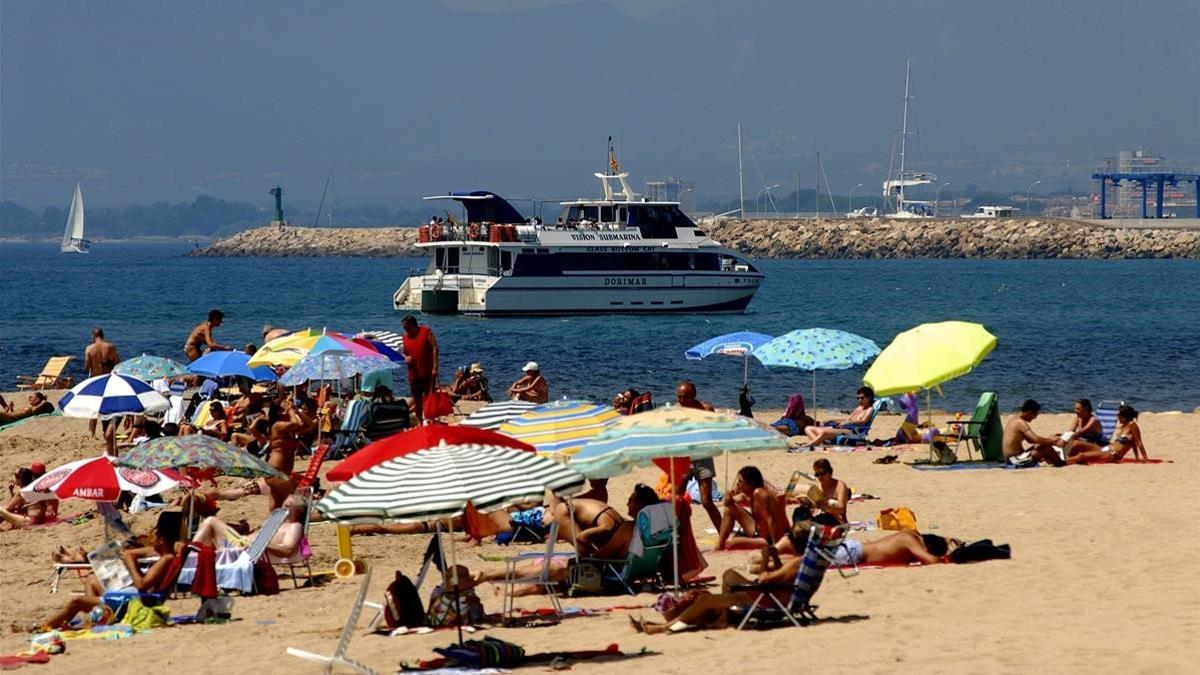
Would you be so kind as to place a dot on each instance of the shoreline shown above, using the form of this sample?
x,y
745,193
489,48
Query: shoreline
x,y
826,239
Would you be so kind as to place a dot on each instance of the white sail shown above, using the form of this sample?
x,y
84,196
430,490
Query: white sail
x,y
73,241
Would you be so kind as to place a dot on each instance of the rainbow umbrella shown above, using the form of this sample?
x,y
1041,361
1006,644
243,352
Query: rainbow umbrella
x,y
560,428
289,349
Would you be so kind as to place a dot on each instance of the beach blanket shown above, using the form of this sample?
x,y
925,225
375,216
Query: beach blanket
x,y
14,661
17,423
611,652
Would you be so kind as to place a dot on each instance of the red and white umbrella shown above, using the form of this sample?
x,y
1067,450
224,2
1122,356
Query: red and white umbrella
x,y
99,480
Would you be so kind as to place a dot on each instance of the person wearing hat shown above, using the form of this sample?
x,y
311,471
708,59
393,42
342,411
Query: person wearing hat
x,y
457,584
470,384
531,386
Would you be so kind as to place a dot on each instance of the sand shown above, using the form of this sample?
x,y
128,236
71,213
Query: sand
x,y
1103,578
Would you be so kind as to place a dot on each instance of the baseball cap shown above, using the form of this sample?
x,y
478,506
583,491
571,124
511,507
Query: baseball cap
x,y
532,365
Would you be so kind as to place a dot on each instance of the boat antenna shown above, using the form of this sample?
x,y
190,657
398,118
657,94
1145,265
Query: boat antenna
x,y
321,205
741,183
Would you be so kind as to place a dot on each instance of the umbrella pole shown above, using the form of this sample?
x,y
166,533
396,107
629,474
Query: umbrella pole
x,y
675,526
454,580
814,393
745,368
929,420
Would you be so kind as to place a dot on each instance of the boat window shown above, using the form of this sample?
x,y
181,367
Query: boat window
x,y
592,213
439,257
606,214
537,266
493,261
506,260
655,221
452,261
639,262
622,215
699,233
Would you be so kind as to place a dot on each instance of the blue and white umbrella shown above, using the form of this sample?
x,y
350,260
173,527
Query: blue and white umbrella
x,y
107,396
742,343
817,349
230,364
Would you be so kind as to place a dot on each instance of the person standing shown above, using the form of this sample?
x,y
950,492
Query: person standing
x,y
703,470
201,337
99,358
421,353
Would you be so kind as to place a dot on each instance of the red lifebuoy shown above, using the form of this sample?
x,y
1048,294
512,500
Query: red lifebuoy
x,y
435,232
473,230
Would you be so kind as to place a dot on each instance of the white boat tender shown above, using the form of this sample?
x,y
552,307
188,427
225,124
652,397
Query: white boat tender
x,y
73,241
617,254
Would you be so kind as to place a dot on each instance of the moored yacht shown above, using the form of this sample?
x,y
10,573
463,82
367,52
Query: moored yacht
x,y
617,254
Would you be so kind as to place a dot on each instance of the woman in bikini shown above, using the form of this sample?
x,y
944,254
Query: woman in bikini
x,y
1127,436
1085,426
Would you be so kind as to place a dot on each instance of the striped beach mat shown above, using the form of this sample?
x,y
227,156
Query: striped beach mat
x,y
491,416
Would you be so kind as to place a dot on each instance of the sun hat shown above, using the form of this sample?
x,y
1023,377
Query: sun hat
x,y
531,366
475,368
37,468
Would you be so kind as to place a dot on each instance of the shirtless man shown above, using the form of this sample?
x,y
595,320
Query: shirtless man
x,y
201,337
531,386
99,358
860,416
751,506
1018,432
703,470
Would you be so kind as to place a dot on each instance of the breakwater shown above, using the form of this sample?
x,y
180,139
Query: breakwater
x,y
806,238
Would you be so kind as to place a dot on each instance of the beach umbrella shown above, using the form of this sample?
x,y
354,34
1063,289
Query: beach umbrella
x,y
928,355
148,368
742,343
668,433
97,479
816,349
492,415
326,365
390,339
289,349
112,395
418,438
197,453
436,484
230,364
560,428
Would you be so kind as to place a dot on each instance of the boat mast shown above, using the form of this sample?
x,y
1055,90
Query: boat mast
x,y
741,185
904,133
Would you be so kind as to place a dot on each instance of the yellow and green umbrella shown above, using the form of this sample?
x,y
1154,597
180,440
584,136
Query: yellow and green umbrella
x,y
928,355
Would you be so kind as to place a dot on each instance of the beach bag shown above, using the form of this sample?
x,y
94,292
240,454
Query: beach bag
x,y
266,581
585,577
402,604
437,404
897,519
978,551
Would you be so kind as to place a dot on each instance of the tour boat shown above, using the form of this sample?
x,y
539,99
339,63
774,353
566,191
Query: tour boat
x,y
620,254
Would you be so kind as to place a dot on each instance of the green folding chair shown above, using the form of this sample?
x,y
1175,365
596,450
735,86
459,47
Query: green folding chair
x,y
984,431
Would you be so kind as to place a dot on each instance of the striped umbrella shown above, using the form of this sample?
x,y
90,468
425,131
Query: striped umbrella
x,y
436,483
97,479
560,428
146,367
199,453
391,339
107,396
672,431
418,438
492,415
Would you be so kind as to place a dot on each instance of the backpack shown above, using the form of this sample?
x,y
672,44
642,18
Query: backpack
x,y
402,604
978,551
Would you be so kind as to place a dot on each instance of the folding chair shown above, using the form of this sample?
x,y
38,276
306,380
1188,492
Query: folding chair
x,y
644,562
338,658
347,437
542,578
823,542
51,377
1106,412
857,433
239,574
984,431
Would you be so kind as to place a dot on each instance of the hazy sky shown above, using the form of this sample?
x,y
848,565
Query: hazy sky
x,y
160,100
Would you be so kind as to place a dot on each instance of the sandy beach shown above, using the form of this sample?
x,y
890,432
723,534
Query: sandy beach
x,y
1103,577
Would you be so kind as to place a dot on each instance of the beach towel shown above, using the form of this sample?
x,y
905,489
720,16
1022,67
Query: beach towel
x,y
658,517
971,466
17,423
204,584
14,661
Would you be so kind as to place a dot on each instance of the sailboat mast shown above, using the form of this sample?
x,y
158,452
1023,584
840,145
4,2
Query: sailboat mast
x,y
741,185
904,133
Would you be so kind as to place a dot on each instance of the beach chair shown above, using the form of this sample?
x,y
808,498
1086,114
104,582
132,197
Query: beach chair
x,y
302,556
984,431
512,579
338,658
118,599
1106,412
856,434
823,542
387,419
347,437
647,552
51,377
239,574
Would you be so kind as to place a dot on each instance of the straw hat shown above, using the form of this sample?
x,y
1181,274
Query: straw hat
x,y
475,368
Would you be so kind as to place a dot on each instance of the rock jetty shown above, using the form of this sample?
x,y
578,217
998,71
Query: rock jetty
x,y
809,238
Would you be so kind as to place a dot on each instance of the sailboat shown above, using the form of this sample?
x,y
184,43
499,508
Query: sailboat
x,y
893,187
73,241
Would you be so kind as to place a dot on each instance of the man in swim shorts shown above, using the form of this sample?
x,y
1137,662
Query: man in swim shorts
x,y
1018,432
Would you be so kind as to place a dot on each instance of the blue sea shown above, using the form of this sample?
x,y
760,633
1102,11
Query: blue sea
x,y
1125,330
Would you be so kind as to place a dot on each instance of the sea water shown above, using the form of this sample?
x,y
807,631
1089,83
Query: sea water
x,y
1108,330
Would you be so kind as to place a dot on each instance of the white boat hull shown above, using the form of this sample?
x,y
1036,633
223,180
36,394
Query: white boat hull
x,y
645,293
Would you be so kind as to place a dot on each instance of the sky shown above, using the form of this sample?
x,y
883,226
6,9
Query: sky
x,y
144,101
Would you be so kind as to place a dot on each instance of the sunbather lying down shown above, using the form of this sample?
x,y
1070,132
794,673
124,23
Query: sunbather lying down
x,y
899,548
